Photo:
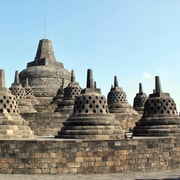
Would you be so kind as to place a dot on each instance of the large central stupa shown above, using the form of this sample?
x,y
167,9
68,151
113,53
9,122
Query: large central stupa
x,y
45,74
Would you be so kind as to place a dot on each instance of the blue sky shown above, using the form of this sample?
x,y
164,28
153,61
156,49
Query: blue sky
x,y
133,39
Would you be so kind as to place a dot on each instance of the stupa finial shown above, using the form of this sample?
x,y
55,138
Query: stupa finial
x,y
62,82
94,84
27,82
72,76
115,81
157,85
2,78
140,88
90,82
16,78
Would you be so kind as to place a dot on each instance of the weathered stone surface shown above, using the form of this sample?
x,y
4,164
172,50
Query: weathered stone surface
x,y
117,101
70,92
51,156
45,74
16,88
160,117
45,123
12,125
139,100
59,95
25,105
127,120
120,108
30,93
91,118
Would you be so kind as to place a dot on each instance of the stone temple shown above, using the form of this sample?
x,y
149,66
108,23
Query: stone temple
x,y
87,134
45,74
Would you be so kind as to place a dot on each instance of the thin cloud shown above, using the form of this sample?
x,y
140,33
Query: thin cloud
x,y
147,75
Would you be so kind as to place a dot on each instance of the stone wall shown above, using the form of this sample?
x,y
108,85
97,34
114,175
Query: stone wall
x,y
127,120
49,123
45,124
57,156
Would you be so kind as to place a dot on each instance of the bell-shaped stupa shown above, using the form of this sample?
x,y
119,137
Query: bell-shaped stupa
x,y
70,92
59,95
117,101
45,74
160,117
16,88
91,118
28,90
139,100
30,93
25,105
12,125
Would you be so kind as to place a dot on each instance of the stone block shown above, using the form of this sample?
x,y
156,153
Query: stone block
x,y
53,171
73,170
45,171
37,171
79,159
109,163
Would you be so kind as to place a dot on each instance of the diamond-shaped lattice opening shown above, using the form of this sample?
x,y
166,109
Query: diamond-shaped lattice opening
x,y
90,106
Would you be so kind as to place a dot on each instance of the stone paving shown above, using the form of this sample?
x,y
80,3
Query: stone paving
x,y
155,175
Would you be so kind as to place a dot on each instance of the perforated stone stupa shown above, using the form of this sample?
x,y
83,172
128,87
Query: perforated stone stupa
x,y
160,117
70,92
12,125
16,88
60,94
45,74
28,90
91,118
139,100
25,105
117,101
30,93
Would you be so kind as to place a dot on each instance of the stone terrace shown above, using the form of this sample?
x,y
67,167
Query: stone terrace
x,y
58,156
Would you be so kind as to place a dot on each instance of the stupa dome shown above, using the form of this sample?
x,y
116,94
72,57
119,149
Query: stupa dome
x,y
160,117
70,92
45,74
139,100
116,99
